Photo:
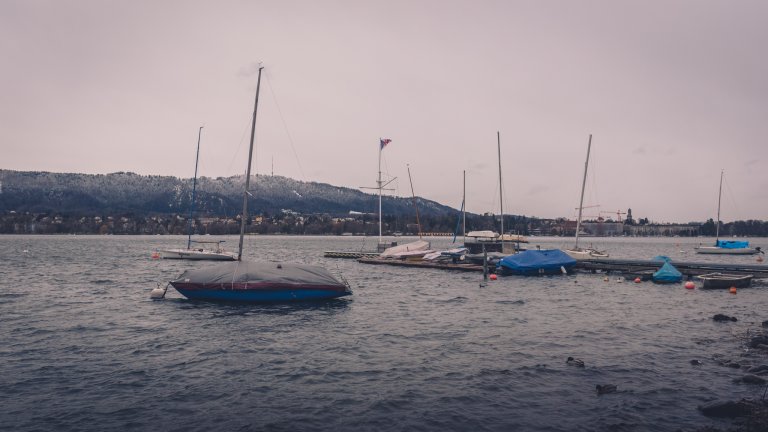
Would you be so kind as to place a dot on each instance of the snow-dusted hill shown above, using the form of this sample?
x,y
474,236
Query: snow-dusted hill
x,y
128,192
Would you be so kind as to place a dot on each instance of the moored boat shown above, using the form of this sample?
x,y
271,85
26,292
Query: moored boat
x,y
259,282
214,252
726,247
724,280
577,252
241,281
536,262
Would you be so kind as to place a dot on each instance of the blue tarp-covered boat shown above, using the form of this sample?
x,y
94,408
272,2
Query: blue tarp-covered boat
x,y
732,244
536,262
667,274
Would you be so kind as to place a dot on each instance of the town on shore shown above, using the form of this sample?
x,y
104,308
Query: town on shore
x,y
289,222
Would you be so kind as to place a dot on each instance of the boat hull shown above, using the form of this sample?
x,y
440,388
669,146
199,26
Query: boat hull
x,y
585,254
266,295
259,282
714,250
197,255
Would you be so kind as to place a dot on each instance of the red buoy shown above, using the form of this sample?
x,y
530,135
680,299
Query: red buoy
x,y
493,277
732,290
690,285
638,280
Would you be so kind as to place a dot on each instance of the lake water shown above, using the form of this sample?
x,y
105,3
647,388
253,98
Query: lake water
x,y
82,347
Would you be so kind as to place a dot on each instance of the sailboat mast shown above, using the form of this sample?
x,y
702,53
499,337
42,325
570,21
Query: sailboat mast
x,y
719,195
501,192
464,208
248,170
583,185
194,188
413,194
380,186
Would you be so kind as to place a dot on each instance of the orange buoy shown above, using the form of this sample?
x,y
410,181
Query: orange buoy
x,y
690,285
732,290
638,280
493,277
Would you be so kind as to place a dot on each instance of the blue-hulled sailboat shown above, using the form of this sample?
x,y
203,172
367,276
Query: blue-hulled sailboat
x,y
241,281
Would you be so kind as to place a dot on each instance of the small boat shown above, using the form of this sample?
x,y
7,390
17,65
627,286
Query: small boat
x,y
259,282
214,252
726,247
475,241
536,262
452,255
576,252
724,280
415,248
729,247
242,281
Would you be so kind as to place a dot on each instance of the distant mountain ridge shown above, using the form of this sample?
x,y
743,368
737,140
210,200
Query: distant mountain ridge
x,y
126,192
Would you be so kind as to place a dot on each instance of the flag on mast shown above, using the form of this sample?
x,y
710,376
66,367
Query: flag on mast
x,y
384,142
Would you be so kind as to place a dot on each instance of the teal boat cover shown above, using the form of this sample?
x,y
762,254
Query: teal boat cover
x,y
732,244
667,274
536,262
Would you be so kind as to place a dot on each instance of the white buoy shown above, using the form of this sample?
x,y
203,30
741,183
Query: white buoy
x,y
158,293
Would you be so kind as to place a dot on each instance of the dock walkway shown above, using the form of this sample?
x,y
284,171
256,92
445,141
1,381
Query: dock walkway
x,y
629,267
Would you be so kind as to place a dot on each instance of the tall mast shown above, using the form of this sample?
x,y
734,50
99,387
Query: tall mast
x,y
583,184
194,187
380,186
418,222
719,195
244,217
464,208
501,192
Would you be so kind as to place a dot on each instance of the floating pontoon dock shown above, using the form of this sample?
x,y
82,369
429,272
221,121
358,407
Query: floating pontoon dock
x,y
627,267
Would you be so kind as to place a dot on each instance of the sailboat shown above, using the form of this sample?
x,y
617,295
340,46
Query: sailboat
x,y
489,241
242,281
204,249
576,252
726,247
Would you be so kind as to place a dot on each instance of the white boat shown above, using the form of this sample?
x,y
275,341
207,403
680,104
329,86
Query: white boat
x,y
212,251
577,252
409,249
726,247
201,251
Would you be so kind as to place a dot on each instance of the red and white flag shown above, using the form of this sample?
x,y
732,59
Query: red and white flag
x,y
383,142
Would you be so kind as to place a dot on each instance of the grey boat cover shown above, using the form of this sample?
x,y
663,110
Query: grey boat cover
x,y
239,274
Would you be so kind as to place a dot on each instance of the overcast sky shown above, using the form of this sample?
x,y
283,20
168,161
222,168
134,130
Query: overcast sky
x,y
672,91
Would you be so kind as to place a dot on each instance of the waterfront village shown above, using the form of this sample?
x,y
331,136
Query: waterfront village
x,y
288,222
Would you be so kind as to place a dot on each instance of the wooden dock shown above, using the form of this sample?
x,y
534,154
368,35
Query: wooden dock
x,y
689,269
350,255
424,264
633,268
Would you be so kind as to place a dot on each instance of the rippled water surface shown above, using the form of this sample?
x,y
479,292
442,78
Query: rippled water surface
x,y
82,347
